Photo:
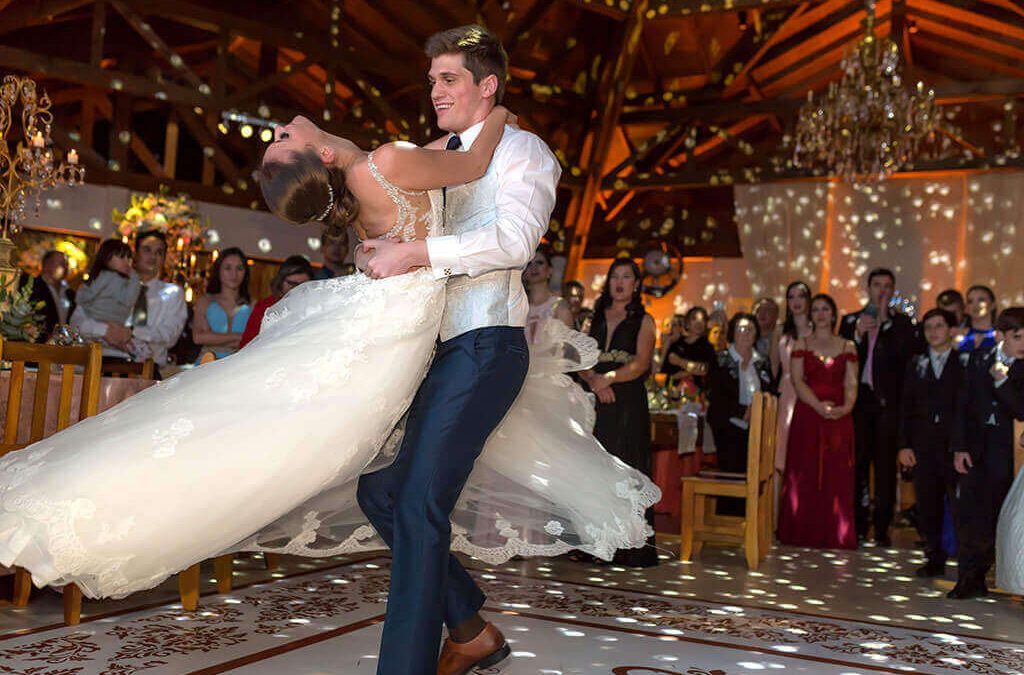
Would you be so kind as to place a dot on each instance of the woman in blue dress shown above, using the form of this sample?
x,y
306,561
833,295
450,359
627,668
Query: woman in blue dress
x,y
221,314
981,310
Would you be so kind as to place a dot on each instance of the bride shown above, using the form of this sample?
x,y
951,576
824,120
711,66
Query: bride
x,y
207,462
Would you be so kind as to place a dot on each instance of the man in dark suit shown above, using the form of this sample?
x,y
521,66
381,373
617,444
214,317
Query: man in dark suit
x,y
933,389
984,449
885,343
52,290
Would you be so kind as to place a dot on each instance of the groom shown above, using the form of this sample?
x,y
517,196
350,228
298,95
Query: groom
x,y
491,229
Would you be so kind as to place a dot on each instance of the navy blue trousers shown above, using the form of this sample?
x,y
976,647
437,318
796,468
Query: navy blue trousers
x,y
472,383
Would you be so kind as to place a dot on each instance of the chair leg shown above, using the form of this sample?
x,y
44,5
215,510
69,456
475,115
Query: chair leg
x,y
188,587
223,568
22,587
699,522
686,530
72,605
752,534
764,521
272,561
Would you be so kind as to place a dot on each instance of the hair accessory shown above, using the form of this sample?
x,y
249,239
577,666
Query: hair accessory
x,y
330,204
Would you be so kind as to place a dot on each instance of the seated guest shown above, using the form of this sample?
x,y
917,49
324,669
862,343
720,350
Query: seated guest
x,y
334,249
984,449
112,289
159,314
294,271
51,289
932,396
691,355
767,312
816,505
981,312
736,375
222,313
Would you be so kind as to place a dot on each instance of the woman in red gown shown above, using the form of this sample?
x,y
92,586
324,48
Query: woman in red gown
x,y
816,507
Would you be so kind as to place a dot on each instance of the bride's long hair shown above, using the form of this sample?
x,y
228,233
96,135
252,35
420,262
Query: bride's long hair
x,y
304,189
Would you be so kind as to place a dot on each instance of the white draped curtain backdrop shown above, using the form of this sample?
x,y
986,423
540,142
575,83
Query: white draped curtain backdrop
x,y
934,232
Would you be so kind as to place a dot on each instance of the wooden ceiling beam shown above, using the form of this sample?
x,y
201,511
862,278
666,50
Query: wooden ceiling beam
x,y
105,107
799,20
839,35
971,40
953,13
26,15
1010,67
613,89
721,137
765,172
521,28
205,138
958,92
146,32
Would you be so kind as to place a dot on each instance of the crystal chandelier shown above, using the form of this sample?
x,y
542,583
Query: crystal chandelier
x,y
28,165
868,125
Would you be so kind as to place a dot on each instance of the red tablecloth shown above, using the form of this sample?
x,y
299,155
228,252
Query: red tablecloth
x,y
668,468
113,390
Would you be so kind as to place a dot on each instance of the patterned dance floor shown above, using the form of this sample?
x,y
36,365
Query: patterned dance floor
x,y
327,620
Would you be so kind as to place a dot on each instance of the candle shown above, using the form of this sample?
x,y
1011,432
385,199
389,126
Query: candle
x,y
38,141
181,243
72,156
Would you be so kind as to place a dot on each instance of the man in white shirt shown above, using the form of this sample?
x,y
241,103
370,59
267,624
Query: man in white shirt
x,y
159,315
492,228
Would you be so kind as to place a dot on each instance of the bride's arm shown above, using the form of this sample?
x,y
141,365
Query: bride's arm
x,y
414,168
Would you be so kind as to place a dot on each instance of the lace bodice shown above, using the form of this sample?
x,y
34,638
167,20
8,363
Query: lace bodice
x,y
414,213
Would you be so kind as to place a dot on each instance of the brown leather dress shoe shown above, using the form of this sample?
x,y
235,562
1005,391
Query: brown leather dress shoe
x,y
486,650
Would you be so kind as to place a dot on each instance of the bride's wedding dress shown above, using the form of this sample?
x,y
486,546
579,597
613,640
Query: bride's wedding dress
x,y
262,450
1010,539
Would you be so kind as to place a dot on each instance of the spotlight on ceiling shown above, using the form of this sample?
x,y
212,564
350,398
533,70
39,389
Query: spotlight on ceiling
x,y
223,127
246,130
267,135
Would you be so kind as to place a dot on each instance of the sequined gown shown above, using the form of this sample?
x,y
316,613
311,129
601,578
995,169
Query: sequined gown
x,y
262,450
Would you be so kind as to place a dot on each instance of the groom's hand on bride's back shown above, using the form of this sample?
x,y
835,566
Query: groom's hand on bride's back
x,y
388,258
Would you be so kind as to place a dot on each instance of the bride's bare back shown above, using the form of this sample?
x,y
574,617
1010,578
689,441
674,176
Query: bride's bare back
x,y
387,211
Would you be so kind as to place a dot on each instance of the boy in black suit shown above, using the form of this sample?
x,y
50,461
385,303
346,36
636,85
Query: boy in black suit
x,y
984,449
933,389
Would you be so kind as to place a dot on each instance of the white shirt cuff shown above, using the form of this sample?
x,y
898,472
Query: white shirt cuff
x,y
444,256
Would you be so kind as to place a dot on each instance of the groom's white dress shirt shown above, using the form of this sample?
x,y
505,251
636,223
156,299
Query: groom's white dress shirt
x,y
492,227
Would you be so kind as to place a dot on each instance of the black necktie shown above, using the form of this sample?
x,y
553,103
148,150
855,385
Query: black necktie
x,y
141,310
454,143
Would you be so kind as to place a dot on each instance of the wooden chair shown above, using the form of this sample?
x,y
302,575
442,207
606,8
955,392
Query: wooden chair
x,y
700,493
143,370
89,358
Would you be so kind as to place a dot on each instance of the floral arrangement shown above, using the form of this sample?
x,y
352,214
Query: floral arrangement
x,y
19,318
171,214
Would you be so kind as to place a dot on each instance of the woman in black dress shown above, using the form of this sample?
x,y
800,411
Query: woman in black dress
x,y
625,333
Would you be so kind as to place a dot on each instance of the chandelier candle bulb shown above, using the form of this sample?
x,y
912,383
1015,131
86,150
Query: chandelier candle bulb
x,y
72,156
38,141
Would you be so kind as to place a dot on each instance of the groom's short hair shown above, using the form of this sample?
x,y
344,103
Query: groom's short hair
x,y
481,51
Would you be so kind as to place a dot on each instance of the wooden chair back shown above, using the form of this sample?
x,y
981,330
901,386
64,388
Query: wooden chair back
x,y
135,370
46,358
761,443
